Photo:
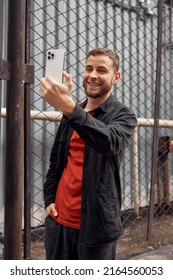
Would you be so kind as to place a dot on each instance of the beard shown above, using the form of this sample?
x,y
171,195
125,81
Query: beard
x,y
96,94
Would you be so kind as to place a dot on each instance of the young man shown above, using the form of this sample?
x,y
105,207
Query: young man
x,y
82,191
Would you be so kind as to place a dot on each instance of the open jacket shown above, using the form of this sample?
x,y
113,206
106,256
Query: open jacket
x,y
106,134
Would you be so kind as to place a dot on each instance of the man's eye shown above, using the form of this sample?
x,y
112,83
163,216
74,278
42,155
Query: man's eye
x,y
88,68
102,71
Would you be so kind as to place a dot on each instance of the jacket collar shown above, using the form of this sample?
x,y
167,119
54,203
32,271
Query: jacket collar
x,y
104,107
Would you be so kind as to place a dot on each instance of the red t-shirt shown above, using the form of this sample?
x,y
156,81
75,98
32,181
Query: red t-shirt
x,y
68,196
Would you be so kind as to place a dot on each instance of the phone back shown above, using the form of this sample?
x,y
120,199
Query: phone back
x,y
55,63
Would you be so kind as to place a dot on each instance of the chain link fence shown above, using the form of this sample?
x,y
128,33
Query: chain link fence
x,y
131,28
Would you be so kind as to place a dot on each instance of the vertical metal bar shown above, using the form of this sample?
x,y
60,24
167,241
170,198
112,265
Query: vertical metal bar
x,y
27,173
145,96
67,35
170,68
123,69
15,131
135,171
1,42
105,24
152,63
138,82
131,57
97,24
134,151
44,124
156,121
77,13
114,27
87,24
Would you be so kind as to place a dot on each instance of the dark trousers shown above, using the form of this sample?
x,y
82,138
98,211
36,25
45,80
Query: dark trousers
x,y
61,243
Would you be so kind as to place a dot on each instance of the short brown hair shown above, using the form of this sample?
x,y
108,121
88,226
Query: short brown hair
x,y
107,52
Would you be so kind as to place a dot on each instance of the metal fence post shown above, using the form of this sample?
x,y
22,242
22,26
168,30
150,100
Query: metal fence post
x,y
15,131
1,42
27,146
156,121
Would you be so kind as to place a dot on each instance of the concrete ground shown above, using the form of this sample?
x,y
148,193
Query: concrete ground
x,y
162,253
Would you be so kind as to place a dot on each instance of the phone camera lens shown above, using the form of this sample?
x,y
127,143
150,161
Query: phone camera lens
x,y
52,55
49,57
49,53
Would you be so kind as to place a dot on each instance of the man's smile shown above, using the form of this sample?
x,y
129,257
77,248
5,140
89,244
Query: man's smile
x,y
93,84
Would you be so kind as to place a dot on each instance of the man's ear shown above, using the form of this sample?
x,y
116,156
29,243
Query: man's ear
x,y
117,77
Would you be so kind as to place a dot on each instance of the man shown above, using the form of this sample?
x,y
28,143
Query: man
x,y
82,191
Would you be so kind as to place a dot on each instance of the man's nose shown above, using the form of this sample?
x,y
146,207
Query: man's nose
x,y
93,74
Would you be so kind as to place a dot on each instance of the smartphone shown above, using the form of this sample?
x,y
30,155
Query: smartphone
x,y
55,64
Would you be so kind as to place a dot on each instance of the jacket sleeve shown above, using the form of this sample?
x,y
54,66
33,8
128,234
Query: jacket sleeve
x,y
50,185
110,136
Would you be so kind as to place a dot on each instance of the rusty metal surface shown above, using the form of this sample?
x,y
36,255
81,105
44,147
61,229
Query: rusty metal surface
x,y
15,131
4,69
1,42
27,145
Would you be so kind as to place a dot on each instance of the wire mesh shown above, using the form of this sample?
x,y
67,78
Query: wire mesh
x,y
130,28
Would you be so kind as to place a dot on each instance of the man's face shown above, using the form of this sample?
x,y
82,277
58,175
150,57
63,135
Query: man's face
x,y
99,76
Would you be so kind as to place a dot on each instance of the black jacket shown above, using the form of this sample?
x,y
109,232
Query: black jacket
x,y
106,134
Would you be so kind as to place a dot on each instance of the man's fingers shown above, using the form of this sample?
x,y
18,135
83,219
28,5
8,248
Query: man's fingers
x,y
68,78
51,208
55,213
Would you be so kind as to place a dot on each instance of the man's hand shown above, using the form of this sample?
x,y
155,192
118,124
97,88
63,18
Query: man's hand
x,y
51,208
58,95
